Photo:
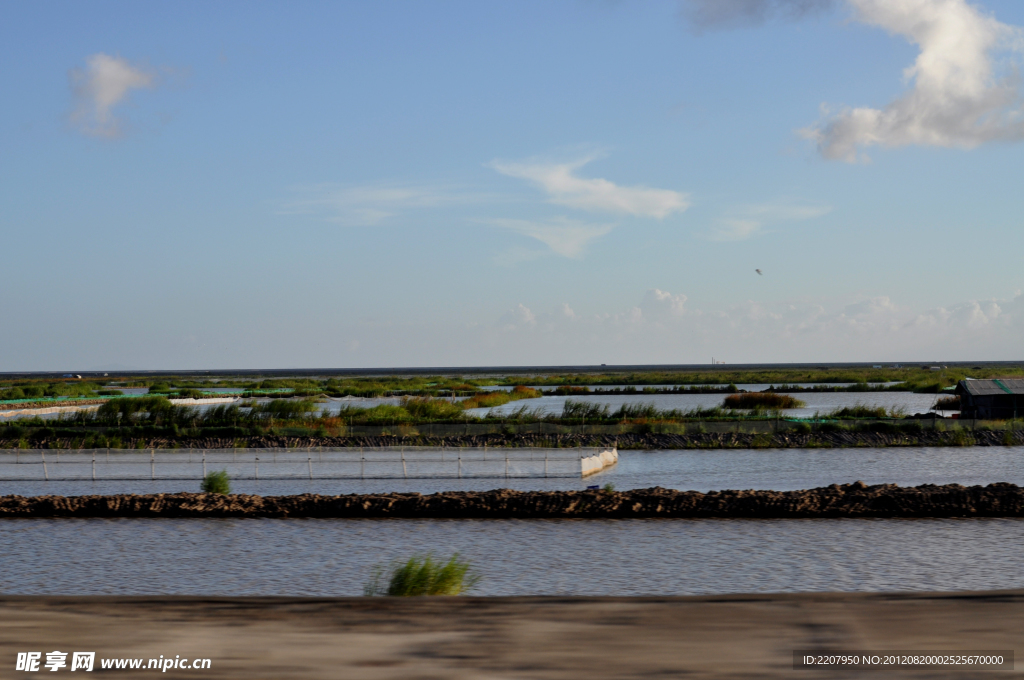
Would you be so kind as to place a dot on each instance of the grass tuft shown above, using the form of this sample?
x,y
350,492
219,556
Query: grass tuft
x,y
217,482
422,575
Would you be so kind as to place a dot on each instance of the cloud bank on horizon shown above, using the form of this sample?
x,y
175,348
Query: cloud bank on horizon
x,y
962,94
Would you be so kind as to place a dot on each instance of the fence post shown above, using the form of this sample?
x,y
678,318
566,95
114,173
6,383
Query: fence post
x,y
405,473
152,463
94,466
204,463
257,468
506,465
309,461
362,460
46,474
460,462
545,463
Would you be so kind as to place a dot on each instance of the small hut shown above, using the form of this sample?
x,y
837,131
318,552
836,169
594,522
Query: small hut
x,y
996,399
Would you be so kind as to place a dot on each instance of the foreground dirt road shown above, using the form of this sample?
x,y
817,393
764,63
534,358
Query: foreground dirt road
x,y
737,636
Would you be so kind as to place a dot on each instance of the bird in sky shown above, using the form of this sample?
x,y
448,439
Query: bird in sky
x,y
759,273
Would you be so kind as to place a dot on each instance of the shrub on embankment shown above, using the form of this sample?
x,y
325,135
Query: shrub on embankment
x,y
848,500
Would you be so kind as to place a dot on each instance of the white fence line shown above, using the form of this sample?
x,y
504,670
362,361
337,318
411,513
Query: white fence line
x,y
308,463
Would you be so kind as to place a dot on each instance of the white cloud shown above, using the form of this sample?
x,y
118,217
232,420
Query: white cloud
x,y
102,85
518,317
959,97
744,223
661,303
595,195
565,237
372,204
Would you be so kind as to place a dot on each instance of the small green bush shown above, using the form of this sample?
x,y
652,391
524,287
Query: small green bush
x,y
217,482
422,575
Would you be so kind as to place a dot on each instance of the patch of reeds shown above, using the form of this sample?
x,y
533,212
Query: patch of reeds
x,y
571,390
216,482
948,403
857,411
962,437
285,408
584,410
761,400
425,408
422,575
500,397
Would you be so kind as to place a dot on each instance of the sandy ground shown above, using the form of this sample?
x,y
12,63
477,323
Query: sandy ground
x,y
736,636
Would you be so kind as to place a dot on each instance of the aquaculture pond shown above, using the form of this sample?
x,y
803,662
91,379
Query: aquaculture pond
x,y
514,557
816,402
698,470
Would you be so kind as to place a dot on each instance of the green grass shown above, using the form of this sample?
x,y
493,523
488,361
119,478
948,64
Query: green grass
x,y
422,575
761,400
216,482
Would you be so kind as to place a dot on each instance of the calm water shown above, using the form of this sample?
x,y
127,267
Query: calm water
x,y
815,402
778,469
578,557
569,557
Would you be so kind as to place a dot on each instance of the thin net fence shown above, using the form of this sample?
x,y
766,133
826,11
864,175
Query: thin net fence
x,y
307,463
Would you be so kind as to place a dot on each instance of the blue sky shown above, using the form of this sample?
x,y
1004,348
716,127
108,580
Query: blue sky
x,y
243,185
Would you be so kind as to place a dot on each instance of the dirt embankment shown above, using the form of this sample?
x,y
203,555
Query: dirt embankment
x,y
630,441
849,500
714,637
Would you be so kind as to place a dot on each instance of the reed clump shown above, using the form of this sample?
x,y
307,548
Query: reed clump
x,y
422,575
499,397
761,400
216,482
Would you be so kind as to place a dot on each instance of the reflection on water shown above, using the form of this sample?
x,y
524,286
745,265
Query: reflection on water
x,y
535,557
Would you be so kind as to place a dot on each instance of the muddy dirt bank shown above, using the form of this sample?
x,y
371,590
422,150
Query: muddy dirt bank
x,y
534,638
849,500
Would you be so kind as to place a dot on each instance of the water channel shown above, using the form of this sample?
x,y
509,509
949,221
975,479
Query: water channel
x,y
553,557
